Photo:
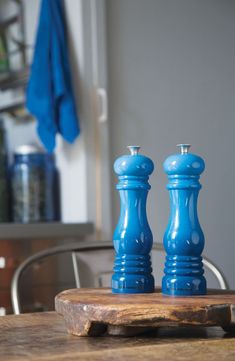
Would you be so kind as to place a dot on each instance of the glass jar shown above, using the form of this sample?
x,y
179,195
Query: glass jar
x,y
35,191
52,210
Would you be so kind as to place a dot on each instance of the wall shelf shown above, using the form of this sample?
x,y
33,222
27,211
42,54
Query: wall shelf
x,y
14,79
47,231
11,20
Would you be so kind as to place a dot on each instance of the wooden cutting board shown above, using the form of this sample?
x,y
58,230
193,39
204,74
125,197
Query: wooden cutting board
x,y
93,312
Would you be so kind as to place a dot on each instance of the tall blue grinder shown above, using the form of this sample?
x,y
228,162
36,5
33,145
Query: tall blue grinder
x,y
133,237
183,239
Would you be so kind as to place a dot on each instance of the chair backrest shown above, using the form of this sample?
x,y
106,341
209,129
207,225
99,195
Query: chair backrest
x,y
93,262
94,268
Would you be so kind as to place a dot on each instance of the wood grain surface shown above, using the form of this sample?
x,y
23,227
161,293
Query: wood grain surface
x,y
43,337
92,312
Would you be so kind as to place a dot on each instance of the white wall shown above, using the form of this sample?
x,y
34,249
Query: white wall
x,y
71,159
172,80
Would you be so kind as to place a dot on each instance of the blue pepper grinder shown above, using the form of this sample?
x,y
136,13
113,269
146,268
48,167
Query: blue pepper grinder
x,y
183,239
133,237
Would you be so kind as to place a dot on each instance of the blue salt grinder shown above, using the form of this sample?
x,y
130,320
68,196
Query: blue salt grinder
x,y
183,239
133,237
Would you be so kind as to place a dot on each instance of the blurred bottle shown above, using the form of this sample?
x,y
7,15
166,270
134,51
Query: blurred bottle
x,y
52,194
35,191
4,63
4,191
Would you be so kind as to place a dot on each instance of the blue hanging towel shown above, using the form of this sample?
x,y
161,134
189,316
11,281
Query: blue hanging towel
x,y
49,94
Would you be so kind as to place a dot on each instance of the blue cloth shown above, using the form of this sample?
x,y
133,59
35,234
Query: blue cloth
x,y
49,93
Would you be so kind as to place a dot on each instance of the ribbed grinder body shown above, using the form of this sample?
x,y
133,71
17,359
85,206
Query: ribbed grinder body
x,y
183,239
133,237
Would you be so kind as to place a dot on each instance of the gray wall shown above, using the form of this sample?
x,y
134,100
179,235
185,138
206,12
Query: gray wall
x,y
172,80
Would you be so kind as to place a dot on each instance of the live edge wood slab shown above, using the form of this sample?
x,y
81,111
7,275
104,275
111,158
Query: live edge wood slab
x,y
94,312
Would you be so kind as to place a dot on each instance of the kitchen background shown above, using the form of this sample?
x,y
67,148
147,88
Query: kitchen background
x,y
166,70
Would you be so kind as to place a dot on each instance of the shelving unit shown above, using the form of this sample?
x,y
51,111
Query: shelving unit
x,y
14,79
84,168
18,241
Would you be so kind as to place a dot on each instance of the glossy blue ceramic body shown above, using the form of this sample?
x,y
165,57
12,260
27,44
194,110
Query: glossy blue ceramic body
x,y
133,237
183,239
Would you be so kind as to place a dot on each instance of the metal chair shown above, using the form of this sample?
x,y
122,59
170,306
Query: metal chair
x,y
80,248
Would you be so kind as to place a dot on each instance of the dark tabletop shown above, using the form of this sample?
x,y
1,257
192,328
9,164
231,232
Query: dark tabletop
x,y
43,336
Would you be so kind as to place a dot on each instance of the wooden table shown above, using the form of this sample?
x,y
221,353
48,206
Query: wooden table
x,y
43,336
